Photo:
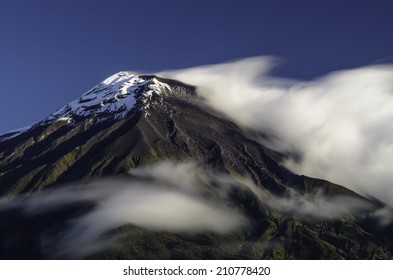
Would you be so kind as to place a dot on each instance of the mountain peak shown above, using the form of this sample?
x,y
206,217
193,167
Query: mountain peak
x,y
113,98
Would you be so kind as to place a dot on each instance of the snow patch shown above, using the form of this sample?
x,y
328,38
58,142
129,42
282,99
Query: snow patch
x,y
65,119
15,132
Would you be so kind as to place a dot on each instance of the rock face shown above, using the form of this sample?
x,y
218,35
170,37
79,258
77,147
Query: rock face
x,y
130,121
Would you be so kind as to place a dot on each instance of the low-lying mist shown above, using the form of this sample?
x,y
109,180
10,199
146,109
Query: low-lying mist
x,y
175,197
165,197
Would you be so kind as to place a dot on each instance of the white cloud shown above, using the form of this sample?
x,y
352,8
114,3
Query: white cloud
x,y
340,124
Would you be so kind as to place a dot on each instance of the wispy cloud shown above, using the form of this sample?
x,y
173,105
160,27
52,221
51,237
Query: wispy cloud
x,y
339,124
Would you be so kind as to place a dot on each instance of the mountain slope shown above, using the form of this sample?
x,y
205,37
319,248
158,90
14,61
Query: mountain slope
x,y
129,121
70,145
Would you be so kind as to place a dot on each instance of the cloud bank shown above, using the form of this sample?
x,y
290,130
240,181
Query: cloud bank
x,y
339,124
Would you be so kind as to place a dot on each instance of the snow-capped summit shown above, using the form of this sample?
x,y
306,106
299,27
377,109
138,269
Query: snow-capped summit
x,y
114,98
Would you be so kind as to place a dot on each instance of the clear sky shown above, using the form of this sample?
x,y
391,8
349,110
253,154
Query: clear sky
x,y
53,51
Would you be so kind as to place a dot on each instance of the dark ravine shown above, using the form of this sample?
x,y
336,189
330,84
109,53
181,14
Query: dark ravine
x,y
171,124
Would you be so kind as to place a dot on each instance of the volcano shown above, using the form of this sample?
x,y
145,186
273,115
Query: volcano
x,y
130,123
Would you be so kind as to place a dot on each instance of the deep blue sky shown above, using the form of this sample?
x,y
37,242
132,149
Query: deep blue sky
x,y
53,51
